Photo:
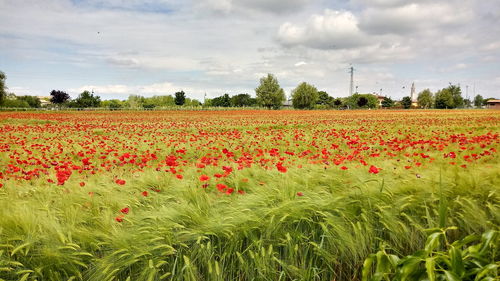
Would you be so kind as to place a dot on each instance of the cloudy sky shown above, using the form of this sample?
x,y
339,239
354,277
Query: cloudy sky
x,y
157,47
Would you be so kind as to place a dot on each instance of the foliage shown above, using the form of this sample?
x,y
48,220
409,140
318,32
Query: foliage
x,y
242,100
406,102
444,99
32,101
456,93
478,101
361,101
159,101
450,97
3,92
471,258
425,99
337,103
180,98
135,101
192,102
58,97
387,102
304,96
325,99
86,99
15,103
222,101
269,93
112,104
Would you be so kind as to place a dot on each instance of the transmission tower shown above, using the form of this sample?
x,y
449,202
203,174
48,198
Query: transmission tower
x,y
351,70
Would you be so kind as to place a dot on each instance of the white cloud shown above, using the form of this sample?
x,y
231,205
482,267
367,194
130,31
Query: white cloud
x,y
330,30
245,6
121,47
412,17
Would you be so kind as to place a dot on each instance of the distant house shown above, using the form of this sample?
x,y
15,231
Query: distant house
x,y
493,104
379,99
44,100
288,104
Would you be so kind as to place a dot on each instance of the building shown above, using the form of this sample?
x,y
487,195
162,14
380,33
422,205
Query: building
x,y
413,96
379,99
44,100
493,104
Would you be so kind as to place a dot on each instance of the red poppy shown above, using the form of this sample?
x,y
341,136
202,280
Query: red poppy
x,y
82,184
125,210
204,178
179,176
344,168
145,193
281,168
300,194
120,182
221,187
374,170
119,218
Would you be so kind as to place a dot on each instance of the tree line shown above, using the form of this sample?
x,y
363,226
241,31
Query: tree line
x,y
269,94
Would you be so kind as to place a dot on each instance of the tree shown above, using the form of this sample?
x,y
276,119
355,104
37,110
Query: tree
x,y
112,104
180,98
337,103
325,99
32,101
159,101
478,101
425,99
3,93
135,101
86,99
387,102
269,93
222,101
58,97
192,102
304,96
444,99
242,100
406,102
456,94
361,101
449,97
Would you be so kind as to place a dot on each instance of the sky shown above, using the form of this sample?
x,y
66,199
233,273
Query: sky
x,y
157,47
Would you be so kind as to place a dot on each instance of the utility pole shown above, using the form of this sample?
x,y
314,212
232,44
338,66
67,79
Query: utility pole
x,y
351,70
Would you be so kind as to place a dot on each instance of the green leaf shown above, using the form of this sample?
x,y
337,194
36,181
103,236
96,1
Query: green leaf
x,y
487,239
457,265
486,270
367,268
430,267
433,241
450,276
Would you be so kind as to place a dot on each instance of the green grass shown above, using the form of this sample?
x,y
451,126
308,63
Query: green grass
x,y
270,233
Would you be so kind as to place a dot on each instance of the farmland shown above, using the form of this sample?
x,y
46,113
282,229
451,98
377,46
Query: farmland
x,y
237,195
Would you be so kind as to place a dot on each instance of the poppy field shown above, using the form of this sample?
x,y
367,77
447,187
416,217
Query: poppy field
x,y
238,195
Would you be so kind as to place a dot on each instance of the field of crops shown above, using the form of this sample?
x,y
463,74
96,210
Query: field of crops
x,y
238,195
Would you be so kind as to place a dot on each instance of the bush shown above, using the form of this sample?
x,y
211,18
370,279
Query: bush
x,y
439,260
